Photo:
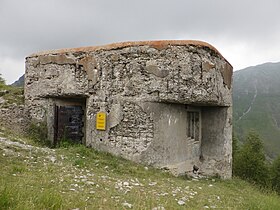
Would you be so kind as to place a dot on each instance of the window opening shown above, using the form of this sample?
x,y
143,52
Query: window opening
x,y
193,130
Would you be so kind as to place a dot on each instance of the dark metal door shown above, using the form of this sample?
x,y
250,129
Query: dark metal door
x,y
69,124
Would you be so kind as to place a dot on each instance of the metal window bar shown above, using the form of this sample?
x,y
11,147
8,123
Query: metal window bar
x,y
193,125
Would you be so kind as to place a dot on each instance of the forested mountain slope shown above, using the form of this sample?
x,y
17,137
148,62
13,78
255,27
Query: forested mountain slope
x,y
256,103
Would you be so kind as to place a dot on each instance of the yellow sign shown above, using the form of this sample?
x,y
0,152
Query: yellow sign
x,y
101,121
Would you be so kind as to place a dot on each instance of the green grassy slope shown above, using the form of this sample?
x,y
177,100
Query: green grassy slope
x,y
10,95
81,178
256,104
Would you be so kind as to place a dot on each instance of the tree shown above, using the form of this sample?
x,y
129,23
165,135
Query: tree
x,y
235,148
2,81
275,174
250,163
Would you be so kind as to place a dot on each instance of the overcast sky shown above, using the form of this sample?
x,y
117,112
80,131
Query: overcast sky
x,y
246,32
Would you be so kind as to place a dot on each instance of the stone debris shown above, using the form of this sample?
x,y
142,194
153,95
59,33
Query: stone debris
x,y
185,198
125,204
158,208
152,183
193,193
181,202
2,100
125,184
90,183
22,145
163,194
52,158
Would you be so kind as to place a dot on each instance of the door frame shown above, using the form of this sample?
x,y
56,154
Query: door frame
x,y
66,101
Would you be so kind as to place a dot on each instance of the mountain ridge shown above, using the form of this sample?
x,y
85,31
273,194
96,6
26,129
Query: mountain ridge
x,y
19,82
256,101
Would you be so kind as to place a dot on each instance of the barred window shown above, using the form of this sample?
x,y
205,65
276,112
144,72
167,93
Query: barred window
x,y
193,130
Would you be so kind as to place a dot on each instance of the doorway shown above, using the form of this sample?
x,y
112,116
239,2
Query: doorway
x,y
69,121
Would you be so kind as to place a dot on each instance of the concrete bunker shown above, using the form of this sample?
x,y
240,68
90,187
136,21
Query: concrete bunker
x,y
162,103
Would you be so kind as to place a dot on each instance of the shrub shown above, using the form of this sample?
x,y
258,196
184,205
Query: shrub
x,y
250,163
275,175
39,133
235,148
2,81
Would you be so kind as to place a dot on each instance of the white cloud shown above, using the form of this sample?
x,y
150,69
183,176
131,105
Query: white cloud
x,y
11,69
245,32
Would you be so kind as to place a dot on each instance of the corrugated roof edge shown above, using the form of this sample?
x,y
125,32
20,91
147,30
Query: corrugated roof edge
x,y
159,44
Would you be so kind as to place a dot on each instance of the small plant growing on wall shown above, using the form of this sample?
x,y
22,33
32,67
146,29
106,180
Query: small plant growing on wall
x,y
39,133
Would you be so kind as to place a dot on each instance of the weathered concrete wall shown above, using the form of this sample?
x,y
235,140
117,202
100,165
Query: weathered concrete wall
x,y
143,87
13,117
216,143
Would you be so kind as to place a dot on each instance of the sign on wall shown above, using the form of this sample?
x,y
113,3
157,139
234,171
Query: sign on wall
x,y
101,121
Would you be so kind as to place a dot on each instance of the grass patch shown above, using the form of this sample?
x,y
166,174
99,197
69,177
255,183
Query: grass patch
x,y
79,177
11,95
38,132
6,198
49,200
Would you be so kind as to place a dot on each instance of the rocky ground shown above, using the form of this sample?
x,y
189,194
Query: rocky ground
x,y
79,178
84,180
